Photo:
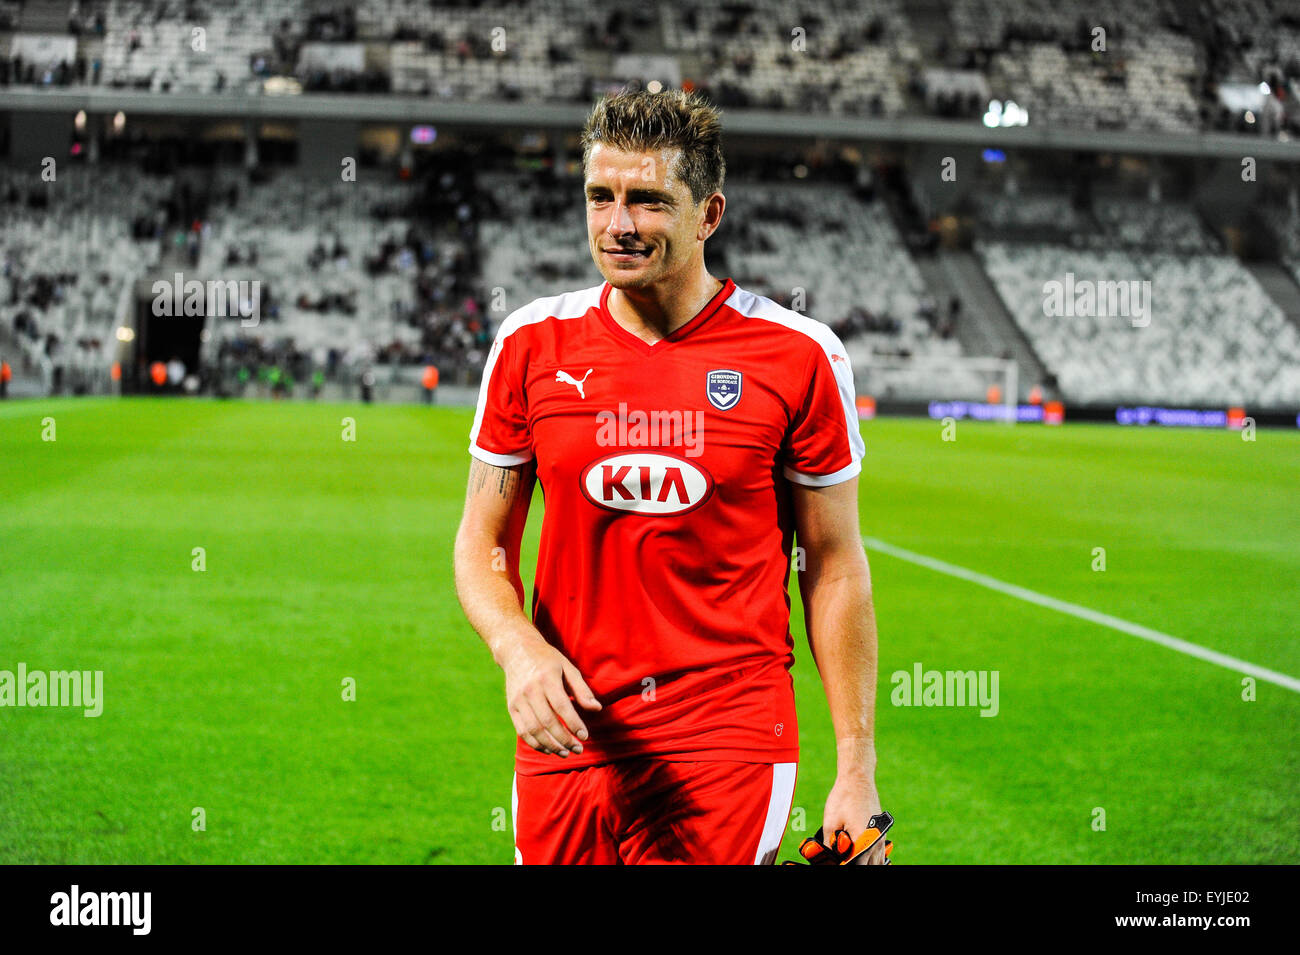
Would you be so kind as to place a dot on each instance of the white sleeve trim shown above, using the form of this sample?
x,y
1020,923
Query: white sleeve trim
x,y
824,480
756,306
565,306
498,460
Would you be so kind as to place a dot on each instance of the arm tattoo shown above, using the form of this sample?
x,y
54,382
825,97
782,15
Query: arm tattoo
x,y
509,483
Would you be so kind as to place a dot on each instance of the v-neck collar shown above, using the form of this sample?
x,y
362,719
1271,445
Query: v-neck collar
x,y
644,347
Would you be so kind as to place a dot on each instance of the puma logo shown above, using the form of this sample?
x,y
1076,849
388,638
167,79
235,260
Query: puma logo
x,y
568,379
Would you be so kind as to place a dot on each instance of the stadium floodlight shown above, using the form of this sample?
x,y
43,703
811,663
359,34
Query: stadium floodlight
x,y
281,86
1008,114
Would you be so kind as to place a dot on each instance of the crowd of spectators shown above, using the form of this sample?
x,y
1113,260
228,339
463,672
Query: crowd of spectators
x,y
357,277
1159,65
69,251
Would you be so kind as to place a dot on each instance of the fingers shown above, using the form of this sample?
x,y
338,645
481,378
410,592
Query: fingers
x,y
550,743
537,737
581,692
539,705
561,706
546,726
875,855
841,841
541,727
530,729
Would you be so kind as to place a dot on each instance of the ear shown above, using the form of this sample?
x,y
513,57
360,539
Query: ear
x,y
713,206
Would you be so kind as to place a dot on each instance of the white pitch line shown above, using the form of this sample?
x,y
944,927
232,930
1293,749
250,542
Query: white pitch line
x,y
34,407
1083,613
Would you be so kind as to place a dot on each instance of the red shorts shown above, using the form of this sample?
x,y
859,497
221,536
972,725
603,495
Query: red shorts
x,y
647,810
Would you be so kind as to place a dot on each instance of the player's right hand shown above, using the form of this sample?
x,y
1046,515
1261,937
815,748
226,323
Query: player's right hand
x,y
539,704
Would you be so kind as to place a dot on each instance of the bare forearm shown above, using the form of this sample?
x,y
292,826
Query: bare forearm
x,y
542,685
491,595
841,619
842,630
487,555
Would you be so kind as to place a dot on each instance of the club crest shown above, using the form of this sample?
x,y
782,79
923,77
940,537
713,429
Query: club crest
x,y
723,388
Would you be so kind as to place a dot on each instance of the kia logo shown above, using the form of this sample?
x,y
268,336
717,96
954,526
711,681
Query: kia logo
x,y
647,482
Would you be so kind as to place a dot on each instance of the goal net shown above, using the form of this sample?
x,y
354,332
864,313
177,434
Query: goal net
x,y
993,381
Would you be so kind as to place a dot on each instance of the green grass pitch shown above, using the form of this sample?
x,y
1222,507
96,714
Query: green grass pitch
x,y
328,560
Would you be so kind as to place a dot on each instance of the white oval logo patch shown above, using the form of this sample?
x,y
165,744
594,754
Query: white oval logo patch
x,y
647,482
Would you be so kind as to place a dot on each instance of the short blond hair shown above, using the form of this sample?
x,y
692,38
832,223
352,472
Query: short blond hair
x,y
645,122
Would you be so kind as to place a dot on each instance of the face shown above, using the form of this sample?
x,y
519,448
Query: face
x,y
643,228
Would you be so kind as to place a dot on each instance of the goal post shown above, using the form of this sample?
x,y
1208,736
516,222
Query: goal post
x,y
926,378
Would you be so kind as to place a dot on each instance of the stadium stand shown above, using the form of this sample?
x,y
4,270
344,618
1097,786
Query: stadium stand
x,y
1041,54
410,272
537,54
1001,212
71,255
523,258
1158,70
853,58
1213,336
1168,226
855,272
143,50
1284,221
353,275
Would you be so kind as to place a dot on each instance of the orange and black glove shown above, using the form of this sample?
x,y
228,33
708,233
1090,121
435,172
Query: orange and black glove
x,y
844,849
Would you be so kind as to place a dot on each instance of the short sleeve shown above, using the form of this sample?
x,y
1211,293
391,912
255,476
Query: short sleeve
x,y
824,445
500,434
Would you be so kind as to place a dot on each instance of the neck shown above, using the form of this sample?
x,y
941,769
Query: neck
x,y
655,313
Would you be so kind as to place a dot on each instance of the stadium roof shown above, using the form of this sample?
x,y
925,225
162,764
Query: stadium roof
x,y
396,109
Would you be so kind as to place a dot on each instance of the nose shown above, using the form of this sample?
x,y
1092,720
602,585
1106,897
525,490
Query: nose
x,y
620,221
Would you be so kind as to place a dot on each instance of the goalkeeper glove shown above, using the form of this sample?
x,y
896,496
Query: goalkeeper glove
x,y
844,849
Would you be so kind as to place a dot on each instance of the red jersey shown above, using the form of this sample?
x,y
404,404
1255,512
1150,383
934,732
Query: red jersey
x,y
668,524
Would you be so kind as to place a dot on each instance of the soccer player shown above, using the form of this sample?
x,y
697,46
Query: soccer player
x,y
683,431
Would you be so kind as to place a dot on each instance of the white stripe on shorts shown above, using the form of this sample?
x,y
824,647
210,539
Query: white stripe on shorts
x,y
514,815
778,812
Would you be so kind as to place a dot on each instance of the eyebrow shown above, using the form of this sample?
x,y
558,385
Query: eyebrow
x,y
638,193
